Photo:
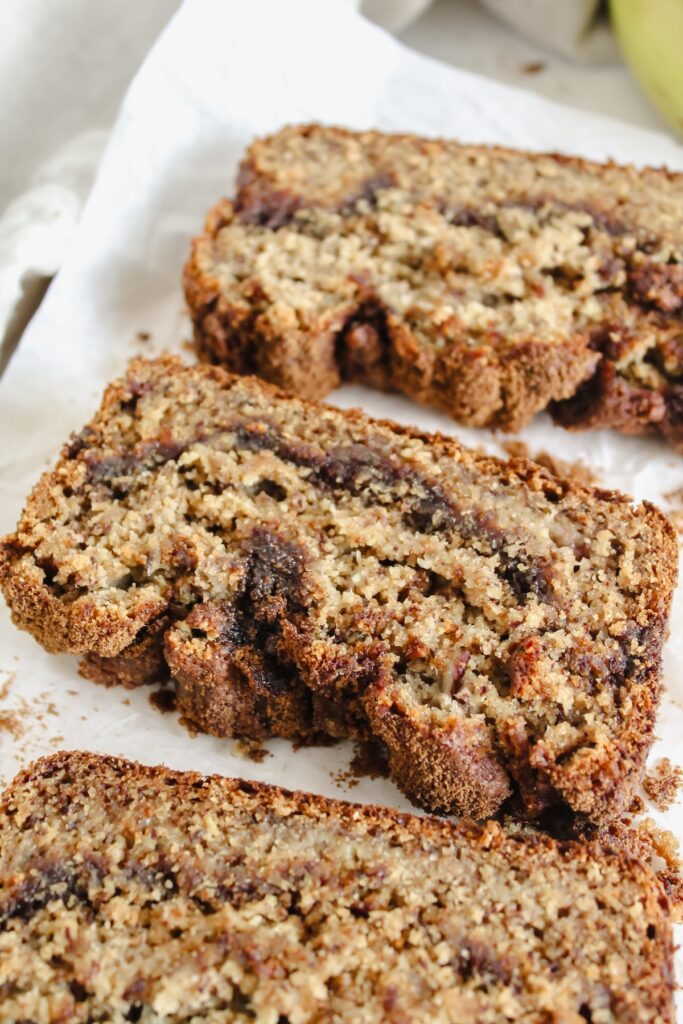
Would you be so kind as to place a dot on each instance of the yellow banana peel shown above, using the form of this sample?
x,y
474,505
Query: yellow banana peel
x,y
650,33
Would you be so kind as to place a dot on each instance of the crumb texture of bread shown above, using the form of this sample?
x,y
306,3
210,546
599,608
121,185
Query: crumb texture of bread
x,y
305,572
487,282
141,894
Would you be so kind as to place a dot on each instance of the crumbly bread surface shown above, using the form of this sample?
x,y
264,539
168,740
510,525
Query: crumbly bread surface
x,y
141,894
488,282
304,571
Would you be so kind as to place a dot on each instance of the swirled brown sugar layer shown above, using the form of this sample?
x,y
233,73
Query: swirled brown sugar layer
x,y
306,572
141,894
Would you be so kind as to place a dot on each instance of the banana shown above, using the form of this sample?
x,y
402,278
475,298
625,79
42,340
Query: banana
x,y
650,33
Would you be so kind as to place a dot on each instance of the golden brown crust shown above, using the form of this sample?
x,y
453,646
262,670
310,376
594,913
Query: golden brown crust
x,y
140,664
214,694
305,571
422,760
387,916
64,628
588,325
472,385
262,171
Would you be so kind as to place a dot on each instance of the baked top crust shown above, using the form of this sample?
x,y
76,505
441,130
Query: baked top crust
x,y
488,282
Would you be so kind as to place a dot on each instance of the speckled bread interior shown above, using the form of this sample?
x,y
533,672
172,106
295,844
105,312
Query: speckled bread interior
x,y
487,282
141,894
306,572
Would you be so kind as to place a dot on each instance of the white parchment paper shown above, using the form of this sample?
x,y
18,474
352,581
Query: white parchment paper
x,y
223,71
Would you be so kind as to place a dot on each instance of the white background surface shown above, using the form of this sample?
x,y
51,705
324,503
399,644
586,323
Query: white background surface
x,y
64,67
464,34
212,82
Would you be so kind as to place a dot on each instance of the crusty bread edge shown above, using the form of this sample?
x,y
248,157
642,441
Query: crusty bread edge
x,y
34,608
473,386
471,389
428,832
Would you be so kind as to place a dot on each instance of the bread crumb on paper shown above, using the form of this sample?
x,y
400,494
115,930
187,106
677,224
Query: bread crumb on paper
x,y
252,750
663,784
577,472
369,761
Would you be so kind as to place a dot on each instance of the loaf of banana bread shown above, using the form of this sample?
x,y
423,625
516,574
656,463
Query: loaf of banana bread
x,y
303,571
141,894
487,282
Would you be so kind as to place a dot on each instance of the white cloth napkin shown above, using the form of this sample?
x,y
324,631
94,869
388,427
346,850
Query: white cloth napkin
x,y
393,15
36,230
569,27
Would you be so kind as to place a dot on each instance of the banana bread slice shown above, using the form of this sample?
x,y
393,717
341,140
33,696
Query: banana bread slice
x,y
484,281
303,570
141,894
